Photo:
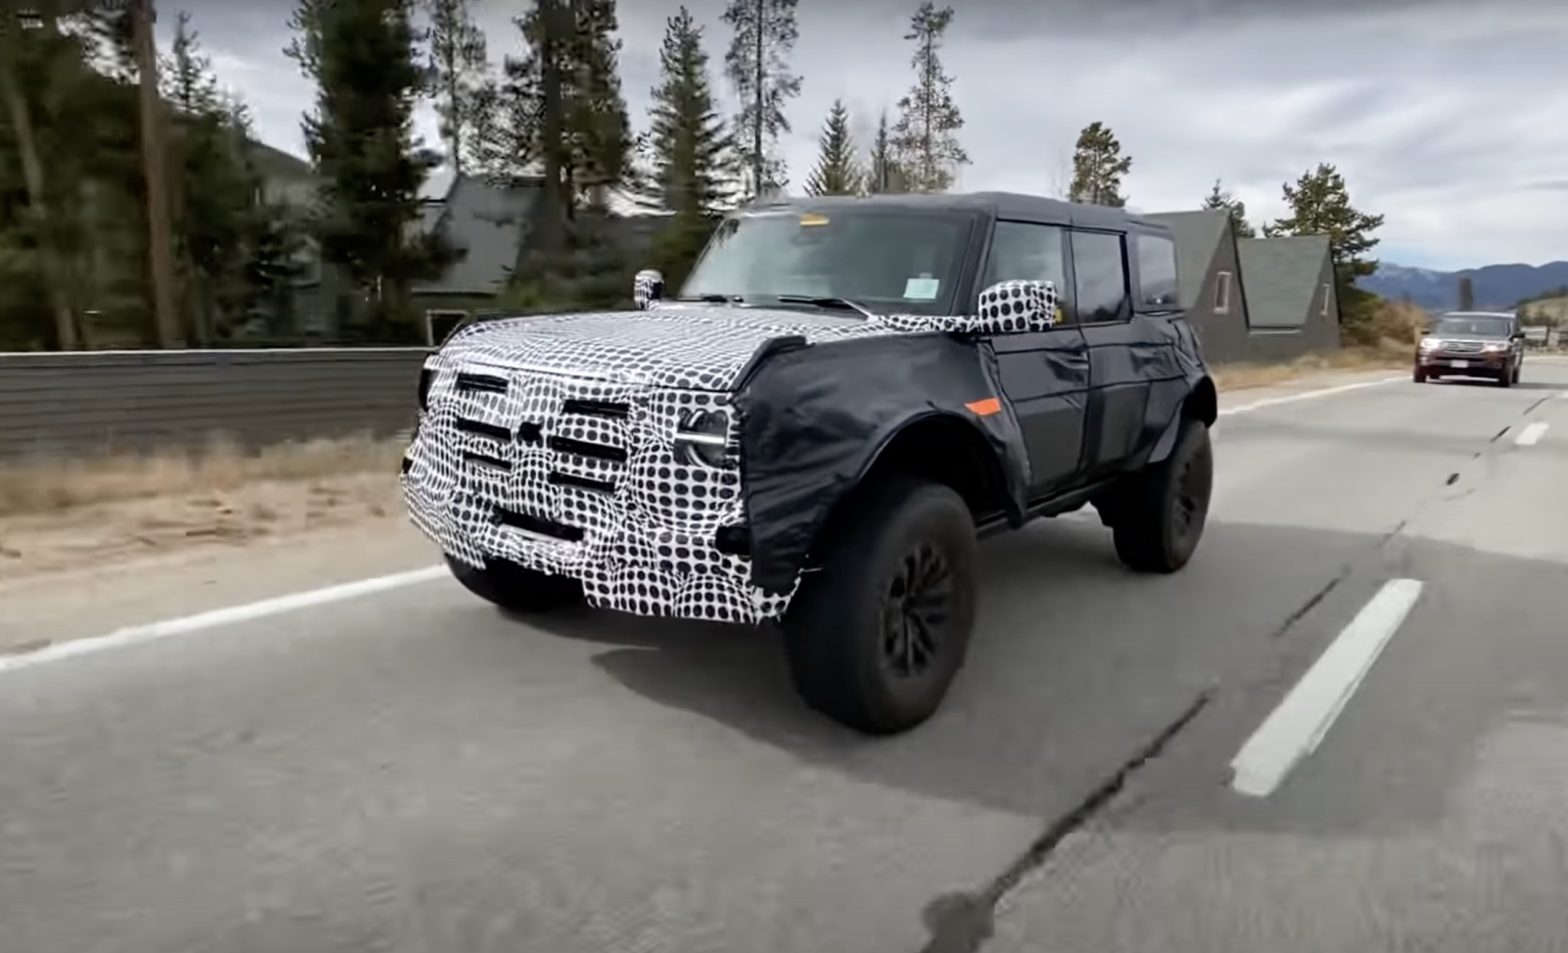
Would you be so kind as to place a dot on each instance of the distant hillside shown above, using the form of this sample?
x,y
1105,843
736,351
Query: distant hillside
x,y
1497,287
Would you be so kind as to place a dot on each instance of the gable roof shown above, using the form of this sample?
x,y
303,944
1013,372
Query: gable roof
x,y
485,222
1282,278
1197,235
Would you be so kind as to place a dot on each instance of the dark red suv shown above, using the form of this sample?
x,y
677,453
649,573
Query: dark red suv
x,y
1472,344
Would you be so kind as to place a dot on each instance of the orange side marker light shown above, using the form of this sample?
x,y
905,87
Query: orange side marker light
x,y
985,408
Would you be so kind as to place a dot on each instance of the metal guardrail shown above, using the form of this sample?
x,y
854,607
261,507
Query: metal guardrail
x,y
109,401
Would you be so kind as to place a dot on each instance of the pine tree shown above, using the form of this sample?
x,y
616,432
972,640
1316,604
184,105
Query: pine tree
x,y
592,147
1098,167
691,152
837,172
1221,200
758,65
883,174
458,68
1320,205
924,144
360,137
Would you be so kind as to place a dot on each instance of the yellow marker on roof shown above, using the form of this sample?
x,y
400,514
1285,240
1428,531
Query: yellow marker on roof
x,y
813,218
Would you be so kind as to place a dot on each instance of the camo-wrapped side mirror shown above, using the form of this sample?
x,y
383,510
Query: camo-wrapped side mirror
x,y
647,287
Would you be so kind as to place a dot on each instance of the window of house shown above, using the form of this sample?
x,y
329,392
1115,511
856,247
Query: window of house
x,y
1156,272
1023,251
1222,293
1327,290
1100,277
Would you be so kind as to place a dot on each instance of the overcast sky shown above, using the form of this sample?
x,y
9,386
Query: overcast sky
x,y
1449,117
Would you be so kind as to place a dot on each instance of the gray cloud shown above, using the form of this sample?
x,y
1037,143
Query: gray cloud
x,y
1445,116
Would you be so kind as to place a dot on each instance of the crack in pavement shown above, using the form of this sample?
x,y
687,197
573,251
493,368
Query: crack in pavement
x,y
1301,611
1499,435
961,922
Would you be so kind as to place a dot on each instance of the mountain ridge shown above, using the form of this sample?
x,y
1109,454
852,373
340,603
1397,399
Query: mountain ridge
x,y
1497,287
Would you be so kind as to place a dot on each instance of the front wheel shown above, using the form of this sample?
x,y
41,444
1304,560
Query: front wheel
x,y
1163,510
514,588
877,633
1420,376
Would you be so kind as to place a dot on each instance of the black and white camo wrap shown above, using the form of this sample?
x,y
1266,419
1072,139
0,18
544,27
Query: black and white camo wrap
x,y
550,442
643,285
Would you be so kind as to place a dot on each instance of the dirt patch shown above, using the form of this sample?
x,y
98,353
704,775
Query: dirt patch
x,y
58,514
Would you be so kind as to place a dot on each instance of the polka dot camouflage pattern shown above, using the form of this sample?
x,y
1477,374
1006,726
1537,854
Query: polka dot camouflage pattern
x,y
553,442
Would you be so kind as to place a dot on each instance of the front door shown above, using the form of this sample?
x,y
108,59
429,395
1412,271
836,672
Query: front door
x,y
1045,374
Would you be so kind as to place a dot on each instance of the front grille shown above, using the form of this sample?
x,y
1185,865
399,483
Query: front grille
x,y
540,525
482,429
1462,347
612,409
582,448
483,383
485,460
558,478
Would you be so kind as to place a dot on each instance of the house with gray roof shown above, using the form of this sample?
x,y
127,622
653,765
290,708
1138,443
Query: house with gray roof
x,y
1253,299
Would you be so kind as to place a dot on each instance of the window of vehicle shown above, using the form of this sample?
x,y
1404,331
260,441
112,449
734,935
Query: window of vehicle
x,y
1471,326
1156,272
1024,251
887,260
1222,293
1100,277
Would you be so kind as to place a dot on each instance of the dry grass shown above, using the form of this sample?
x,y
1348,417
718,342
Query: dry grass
x,y
51,484
1390,354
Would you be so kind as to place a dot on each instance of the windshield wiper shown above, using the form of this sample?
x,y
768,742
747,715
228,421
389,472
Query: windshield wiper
x,y
829,302
713,298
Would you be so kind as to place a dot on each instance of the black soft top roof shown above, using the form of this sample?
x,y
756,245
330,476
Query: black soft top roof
x,y
1001,204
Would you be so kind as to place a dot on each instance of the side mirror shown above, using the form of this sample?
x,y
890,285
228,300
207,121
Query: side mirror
x,y
1012,307
647,287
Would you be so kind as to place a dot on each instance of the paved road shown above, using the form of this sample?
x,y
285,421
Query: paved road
x,y
416,772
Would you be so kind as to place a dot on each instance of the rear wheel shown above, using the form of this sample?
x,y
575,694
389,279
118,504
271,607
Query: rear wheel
x,y
514,588
876,635
1161,513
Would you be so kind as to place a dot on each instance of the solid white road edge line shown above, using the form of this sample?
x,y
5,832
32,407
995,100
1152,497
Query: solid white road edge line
x,y
136,634
1294,729
1307,395
1531,434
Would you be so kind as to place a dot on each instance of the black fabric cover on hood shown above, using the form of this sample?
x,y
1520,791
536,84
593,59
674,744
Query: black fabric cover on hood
x,y
813,420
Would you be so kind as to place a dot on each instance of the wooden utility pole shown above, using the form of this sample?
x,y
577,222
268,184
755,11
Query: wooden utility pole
x,y
155,171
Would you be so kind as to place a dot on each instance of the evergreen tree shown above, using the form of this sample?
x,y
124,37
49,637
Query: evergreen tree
x,y
1320,205
758,65
691,153
925,142
883,174
837,172
1222,200
592,146
458,69
360,137
1098,167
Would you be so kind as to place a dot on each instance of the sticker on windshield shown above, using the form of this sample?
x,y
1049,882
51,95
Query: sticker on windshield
x,y
921,289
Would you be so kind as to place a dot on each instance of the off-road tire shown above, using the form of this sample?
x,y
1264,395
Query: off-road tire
x,y
1161,512
514,588
876,635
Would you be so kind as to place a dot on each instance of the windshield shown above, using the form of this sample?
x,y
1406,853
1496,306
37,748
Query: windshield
x,y
888,261
1475,327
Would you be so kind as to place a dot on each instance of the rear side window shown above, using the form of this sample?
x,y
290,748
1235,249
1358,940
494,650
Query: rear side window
x,y
1100,277
1022,251
1157,273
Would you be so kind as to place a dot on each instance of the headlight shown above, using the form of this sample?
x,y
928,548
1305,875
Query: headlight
x,y
703,438
1494,348
1430,344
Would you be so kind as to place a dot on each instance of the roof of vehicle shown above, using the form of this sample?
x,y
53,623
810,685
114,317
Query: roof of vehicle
x,y
1001,204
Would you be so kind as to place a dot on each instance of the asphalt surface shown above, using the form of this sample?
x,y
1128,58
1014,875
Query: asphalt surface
x,y
414,771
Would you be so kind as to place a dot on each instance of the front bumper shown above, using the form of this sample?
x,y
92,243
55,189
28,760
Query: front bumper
x,y
1467,364
541,475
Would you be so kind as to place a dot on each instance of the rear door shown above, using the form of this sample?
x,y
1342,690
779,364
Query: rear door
x,y
1045,375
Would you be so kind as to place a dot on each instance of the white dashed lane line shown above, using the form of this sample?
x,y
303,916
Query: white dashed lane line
x,y
1294,729
1532,434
